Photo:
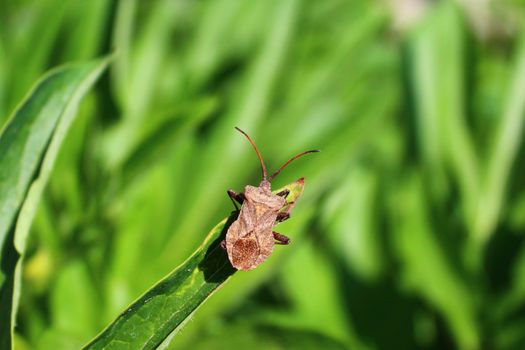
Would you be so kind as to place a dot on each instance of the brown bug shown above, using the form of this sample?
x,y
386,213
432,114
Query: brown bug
x,y
250,238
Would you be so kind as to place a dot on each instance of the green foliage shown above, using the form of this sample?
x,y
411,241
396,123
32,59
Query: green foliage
x,y
409,233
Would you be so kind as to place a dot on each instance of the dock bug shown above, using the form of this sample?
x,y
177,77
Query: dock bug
x,y
250,238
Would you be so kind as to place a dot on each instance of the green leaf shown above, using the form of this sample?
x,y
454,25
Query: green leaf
x,y
159,314
350,218
28,147
506,145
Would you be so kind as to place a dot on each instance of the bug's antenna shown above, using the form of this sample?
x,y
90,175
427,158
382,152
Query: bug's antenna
x,y
289,161
256,151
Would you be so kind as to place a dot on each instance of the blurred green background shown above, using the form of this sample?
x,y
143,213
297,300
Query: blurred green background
x,y
410,230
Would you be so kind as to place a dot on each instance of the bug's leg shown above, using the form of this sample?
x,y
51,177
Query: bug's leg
x,y
284,193
280,238
234,196
223,244
283,216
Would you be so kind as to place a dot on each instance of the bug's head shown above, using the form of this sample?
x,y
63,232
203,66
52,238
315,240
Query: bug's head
x,y
266,181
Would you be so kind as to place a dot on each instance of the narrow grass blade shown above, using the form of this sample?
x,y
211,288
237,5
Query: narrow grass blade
x,y
155,317
157,142
28,147
507,140
437,50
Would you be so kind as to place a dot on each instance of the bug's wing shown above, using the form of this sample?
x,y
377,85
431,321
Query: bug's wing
x,y
266,243
248,252
266,221
244,252
247,217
